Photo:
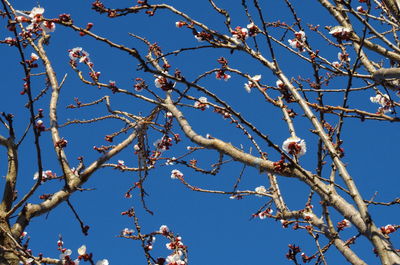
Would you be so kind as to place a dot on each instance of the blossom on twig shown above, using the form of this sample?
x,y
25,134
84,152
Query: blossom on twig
x,y
294,146
176,174
341,33
384,101
36,19
201,103
251,83
298,41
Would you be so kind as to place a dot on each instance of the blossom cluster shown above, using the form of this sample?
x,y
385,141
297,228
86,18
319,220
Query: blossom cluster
x,y
162,82
265,214
36,20
201,103
252,83
344,57
175,259
221,75
171,161
79,53
65,256
388,229
240,34
163,144
176,245
299,41
340,33
140,84
46,175
384,101
127,232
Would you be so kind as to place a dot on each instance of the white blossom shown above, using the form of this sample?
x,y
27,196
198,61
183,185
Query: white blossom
x,y
298,41
300,35
280,84
174,259
260,189
199,38
253,29
175,174
307,216
293,43
222,76
164,229
380,99
82,250
34,56
347,223
180,24
245,32
102,262
250,84
240,34
294,146
45,174
344,57
36,19
159,81
384,101
339,31
67,252
127,232
201,103
35,13
78,53
171,161
202,99
251,25
48,26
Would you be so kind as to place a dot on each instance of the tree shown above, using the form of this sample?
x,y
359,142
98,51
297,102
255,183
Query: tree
x,y
257,110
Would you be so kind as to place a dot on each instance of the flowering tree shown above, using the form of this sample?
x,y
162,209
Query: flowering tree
x,y
183,112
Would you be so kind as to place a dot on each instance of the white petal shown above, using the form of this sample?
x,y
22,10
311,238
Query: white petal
x,y
82,250
256,78
36,11
102,262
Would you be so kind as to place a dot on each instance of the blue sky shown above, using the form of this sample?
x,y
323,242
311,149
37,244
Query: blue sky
x,y
216,229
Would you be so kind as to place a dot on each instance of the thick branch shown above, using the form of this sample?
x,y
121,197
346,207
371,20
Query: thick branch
x,y
386,73
11,177
62,158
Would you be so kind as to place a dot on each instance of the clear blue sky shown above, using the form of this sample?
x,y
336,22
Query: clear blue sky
x,y
216,229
